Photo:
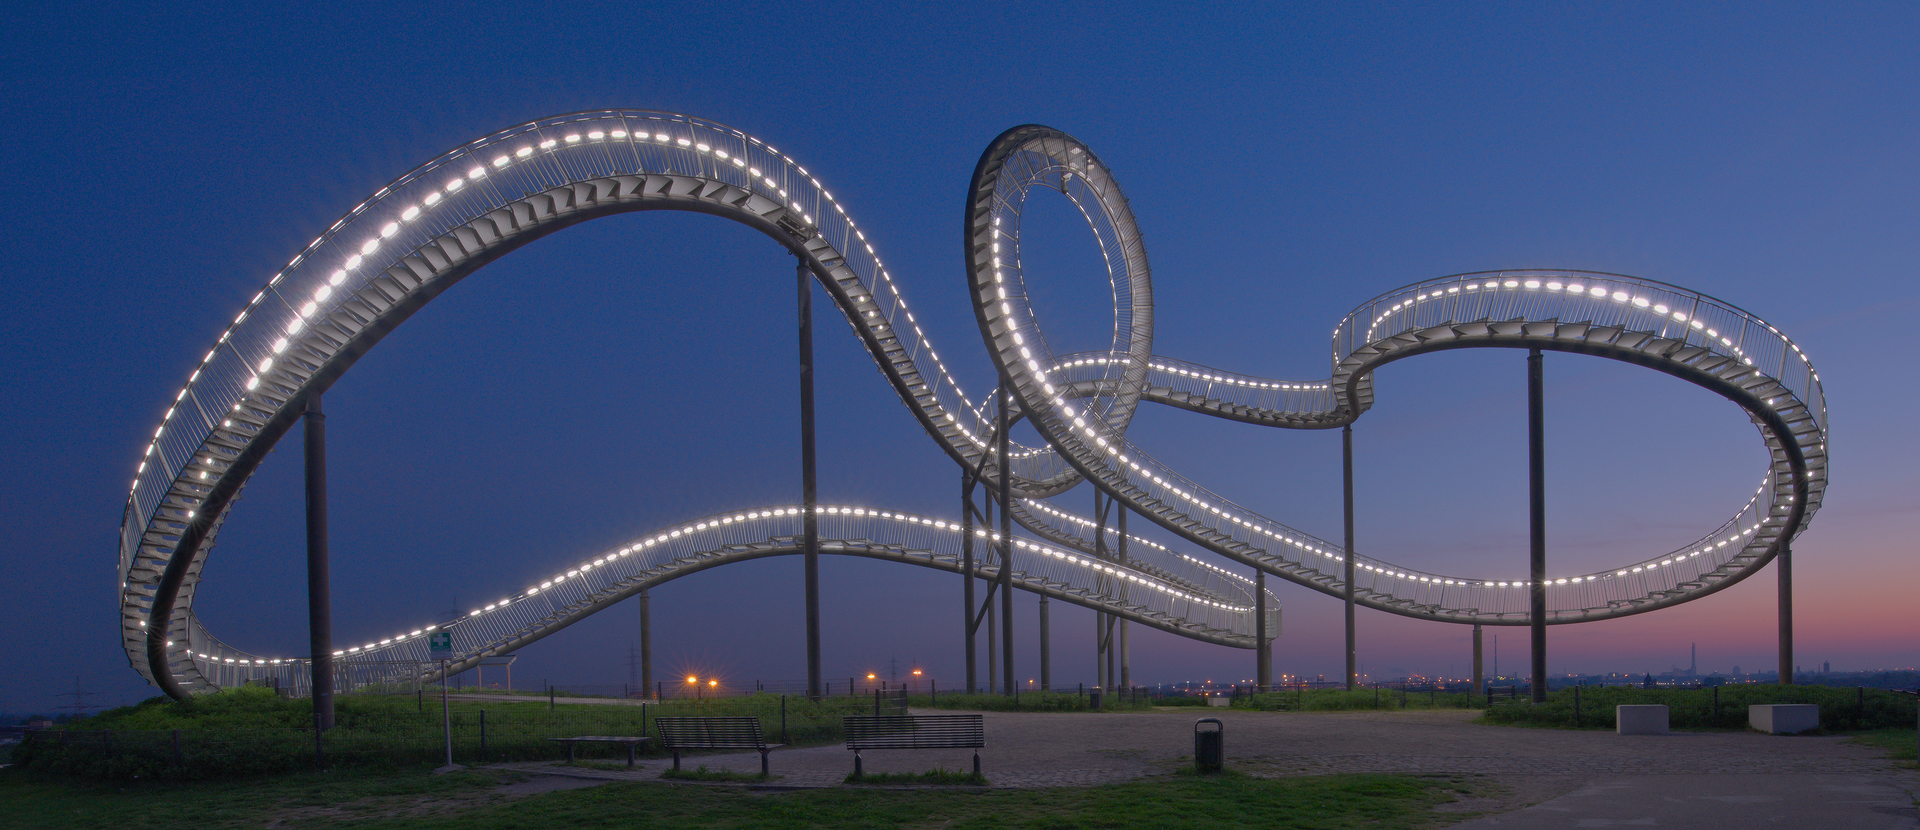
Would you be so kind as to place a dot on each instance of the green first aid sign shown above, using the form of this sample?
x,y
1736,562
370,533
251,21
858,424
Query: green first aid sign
x,y
440,645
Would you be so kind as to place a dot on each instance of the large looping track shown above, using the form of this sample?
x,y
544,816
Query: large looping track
x,y
432,227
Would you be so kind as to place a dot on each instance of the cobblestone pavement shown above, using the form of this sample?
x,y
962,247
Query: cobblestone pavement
x,y
1081,749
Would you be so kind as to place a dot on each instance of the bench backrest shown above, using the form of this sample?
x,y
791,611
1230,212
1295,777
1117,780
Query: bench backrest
x,y
711,733
916,732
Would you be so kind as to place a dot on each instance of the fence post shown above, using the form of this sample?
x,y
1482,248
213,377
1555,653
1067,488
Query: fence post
x,y
783,719
876,703
1716,704
549,697
1576,705
483,734
933,691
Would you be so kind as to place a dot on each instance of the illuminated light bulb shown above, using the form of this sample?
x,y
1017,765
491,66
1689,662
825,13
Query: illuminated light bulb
x,y
501,161
476,172
353,262
370,246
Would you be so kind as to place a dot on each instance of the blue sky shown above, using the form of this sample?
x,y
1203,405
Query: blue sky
x,y
1286,164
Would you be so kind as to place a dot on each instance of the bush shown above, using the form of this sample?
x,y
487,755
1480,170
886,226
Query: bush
x,y
1029,702
251,731
1341,700
1841,709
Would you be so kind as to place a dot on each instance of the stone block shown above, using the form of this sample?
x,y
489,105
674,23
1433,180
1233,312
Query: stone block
x,y
1784,718
1217,700
1640,720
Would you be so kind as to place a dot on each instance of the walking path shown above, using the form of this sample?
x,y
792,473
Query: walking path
x,y
1582,776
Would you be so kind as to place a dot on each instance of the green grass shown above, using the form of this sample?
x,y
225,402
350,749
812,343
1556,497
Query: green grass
x,y
936,775
1900,742
467,801
252,731
1840,708
701,773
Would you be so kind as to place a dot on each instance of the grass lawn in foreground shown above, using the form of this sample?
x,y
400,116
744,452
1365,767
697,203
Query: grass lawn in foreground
x,y
483,799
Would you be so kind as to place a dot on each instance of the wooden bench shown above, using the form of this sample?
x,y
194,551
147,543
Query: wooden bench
x,y
916,732
631,743
714,733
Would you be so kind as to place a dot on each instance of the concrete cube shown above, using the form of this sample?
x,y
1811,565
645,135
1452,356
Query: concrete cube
x,y
1640,720
1784,718
1217,700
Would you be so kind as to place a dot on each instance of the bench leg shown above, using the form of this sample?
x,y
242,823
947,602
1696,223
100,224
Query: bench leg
x,y
629,756
976,762
569,752
856,765
763,762
676,760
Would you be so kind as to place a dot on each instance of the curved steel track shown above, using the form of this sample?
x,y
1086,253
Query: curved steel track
x,y
413,239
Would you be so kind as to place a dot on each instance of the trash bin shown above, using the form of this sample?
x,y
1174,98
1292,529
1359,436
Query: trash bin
x,y
1093,698
1209,745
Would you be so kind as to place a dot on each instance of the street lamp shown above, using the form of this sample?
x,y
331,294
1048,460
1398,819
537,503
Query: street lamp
x,y
695,683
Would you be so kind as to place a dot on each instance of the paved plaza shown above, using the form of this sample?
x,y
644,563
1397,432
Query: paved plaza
x,y
1570,778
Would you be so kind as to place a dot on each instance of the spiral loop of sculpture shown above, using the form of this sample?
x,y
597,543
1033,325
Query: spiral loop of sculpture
x,y
435,225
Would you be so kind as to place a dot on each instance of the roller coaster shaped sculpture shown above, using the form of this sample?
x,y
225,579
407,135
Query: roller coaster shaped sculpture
x,y
444,220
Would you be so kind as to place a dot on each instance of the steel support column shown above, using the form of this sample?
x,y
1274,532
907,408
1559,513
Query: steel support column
x,y
319,592
1006,540
1126,661
1046,651
1479,675
646,649
809,486
1263,656
1346,489
1537,518
1102,635
1784,563
967,575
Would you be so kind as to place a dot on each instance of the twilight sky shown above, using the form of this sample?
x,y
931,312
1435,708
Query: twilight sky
x,y
1285,166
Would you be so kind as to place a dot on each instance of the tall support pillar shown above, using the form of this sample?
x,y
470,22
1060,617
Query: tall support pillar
x,y
1126,655
809,487
967,575
646,649
1006,540
1537,518
1046,651
1784,563
1479,676
1102,635
993,665
1346,478
1263,654
319,591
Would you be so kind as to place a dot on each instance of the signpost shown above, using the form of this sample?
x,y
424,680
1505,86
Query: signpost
x,y
440,647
